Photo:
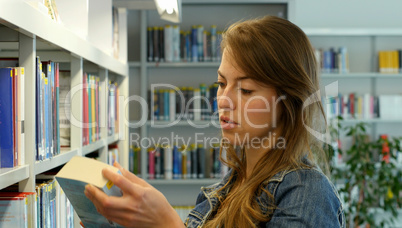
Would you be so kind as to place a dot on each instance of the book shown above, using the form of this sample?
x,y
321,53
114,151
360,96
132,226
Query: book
x,y
21,116
73,181
6,119
13,210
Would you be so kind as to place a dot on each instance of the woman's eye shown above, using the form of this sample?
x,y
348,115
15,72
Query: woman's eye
x,y
220,84
246,91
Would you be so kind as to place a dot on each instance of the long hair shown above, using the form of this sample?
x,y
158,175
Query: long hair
x,y
275,52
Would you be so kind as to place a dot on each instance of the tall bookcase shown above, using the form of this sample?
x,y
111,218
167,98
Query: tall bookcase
x,y
143,74
27,33
362,44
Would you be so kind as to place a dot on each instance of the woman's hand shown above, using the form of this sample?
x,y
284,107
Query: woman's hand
x,y
140,206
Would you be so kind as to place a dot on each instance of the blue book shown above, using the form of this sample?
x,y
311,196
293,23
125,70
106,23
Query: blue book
x,y
38,111
48,69
194,44
175,162
166,103
6,118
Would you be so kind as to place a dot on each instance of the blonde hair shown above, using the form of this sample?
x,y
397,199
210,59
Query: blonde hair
x,y
274,52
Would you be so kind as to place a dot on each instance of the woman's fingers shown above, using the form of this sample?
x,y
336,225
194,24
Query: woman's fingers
x,y
126,185
131,176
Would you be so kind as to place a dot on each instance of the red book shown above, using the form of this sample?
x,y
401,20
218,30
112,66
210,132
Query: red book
x,y
151,163
352,104
15,114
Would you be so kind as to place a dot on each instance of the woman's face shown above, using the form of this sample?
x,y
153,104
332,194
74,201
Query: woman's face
x,y
248,110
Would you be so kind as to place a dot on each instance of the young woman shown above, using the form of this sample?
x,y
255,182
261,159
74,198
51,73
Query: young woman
x,y
268,112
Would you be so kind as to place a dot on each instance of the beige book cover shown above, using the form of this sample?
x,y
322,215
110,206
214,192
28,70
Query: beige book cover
x,y
73,178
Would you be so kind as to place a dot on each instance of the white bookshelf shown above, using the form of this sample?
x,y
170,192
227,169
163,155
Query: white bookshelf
x,y
27,33
10,176
58,160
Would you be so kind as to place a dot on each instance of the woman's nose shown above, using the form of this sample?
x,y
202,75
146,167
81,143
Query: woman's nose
x,y
226,98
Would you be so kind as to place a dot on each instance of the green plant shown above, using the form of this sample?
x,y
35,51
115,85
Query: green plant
x,y
371,177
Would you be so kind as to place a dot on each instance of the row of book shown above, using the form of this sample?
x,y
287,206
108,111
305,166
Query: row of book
x,y
366,106
184,162
170,44
185,103
12,117
91,111
91,120
47,110
332,60
48,206
390,61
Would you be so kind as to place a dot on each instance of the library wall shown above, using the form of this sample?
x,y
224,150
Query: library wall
x,y
347,14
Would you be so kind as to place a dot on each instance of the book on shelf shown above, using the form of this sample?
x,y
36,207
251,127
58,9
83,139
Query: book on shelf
x,y
12,136
113,108
53,207
134,162
73,181
333,61
47,110
113,154
18,209
170,44
91,121
192,161
389,61
364,106
186,103
64,108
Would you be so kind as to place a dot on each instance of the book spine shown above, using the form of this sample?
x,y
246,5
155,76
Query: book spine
x,y
183,155
176,43
190,103
200,32
168,36
197,104
201,161
15,114
57,77
93,106
166,106
156,41
151,163
213,43
194,44
188,164
158,171
161,44
21,116
150,50
194,161
168,162
172,106
6,119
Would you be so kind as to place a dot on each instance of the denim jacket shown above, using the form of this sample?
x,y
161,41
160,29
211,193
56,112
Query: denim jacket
x,y
304,197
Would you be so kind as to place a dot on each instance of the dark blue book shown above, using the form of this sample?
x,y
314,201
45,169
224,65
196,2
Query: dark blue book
x,y
38,109
6,118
